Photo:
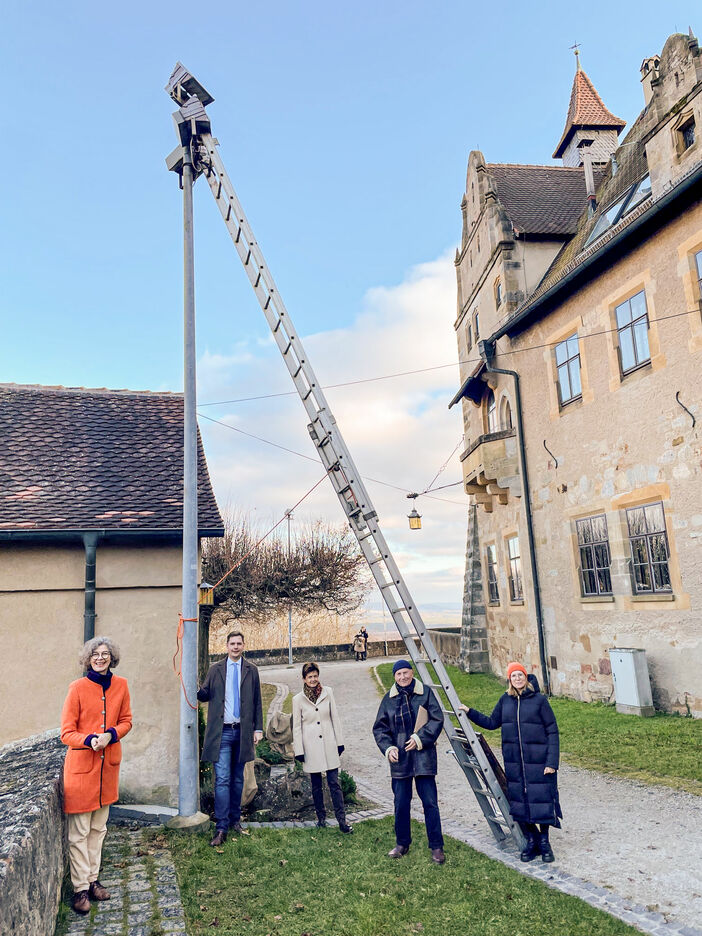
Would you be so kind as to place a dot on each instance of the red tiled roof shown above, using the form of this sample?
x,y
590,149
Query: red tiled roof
x,y
586,110
541,200
79,459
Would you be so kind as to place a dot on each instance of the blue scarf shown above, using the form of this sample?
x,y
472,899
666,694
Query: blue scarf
x,y
102,679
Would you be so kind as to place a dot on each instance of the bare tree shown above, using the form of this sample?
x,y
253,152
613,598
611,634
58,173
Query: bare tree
x,y
324,570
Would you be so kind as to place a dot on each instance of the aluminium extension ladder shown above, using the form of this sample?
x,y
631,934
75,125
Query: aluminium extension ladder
x,y
193,127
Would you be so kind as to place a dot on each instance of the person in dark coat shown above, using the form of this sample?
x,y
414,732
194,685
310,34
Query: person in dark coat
x,y
406,729
530,753
234,727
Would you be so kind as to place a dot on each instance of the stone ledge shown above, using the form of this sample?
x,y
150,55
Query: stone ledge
x,y
32,835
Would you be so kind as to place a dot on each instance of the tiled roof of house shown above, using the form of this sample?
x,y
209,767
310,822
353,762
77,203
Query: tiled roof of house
x,y
577,252
541,200
586,109
80,459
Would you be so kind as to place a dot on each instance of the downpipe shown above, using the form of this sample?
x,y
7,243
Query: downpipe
x,y
90,541
487,353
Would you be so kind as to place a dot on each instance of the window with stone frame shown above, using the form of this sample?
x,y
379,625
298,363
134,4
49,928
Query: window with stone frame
x,y
568,370
498,293
469,337
595,559
516,588
698,269
650,555
491,564
491,410
686,135
476,324
632,333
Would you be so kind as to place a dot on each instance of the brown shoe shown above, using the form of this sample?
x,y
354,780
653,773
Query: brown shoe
x,y
438,856
219,839
81,902
238,828
97,892
398,851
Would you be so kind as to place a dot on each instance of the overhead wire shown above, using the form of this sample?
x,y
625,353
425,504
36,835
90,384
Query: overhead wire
x,y
290,451
424,370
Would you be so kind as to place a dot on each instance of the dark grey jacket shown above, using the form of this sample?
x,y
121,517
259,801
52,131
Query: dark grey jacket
x,y
388,733
212,691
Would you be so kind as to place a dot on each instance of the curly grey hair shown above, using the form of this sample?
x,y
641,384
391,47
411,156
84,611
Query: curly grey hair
x,y
91,646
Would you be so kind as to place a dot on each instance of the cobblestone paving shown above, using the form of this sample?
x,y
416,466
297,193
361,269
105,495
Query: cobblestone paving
x,y
145,898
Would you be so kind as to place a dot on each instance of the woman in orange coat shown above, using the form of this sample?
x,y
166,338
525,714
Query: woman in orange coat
x,y
96,715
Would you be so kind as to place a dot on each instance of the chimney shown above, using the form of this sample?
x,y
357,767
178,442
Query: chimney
x,y
649,73
586,156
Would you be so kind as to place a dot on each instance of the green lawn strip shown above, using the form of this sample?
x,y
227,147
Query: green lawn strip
x,y
315,883
287,704
665,749
268,692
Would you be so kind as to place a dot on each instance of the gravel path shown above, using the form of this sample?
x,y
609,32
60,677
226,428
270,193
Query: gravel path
x,y
634,849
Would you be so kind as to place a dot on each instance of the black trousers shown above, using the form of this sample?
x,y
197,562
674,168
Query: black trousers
x,y
337,797
426,788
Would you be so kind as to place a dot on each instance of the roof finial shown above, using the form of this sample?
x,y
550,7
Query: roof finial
x,y
576,50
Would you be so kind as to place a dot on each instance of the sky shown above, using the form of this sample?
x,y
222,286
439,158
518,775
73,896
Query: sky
x,y
346,130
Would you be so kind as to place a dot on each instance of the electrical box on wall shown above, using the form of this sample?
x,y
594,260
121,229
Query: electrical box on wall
x,y
632,685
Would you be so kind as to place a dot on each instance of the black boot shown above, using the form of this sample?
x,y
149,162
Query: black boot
x,y
545,847
531,849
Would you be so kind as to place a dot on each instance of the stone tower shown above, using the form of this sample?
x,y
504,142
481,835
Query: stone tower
x,y
589,125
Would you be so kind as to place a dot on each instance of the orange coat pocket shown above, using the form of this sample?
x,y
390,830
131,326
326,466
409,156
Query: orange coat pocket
x,y
113,754
79,760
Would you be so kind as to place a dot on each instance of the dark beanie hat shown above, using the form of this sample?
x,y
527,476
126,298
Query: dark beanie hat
x,y
401,664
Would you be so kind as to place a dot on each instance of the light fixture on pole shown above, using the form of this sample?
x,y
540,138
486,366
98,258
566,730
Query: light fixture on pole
x,y
415,519
206,594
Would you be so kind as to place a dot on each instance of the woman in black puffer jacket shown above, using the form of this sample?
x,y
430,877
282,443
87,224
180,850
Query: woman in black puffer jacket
x,y
530,752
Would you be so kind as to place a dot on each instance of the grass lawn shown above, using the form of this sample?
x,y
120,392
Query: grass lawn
x,y
318,883
665,749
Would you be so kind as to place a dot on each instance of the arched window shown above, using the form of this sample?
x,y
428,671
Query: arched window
x,y
491,408
505,414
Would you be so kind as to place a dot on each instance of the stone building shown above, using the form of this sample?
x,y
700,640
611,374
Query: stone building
x,y
91,543
579,333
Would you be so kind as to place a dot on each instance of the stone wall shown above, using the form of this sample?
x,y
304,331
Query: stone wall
x,y
447,642
33,851
320,654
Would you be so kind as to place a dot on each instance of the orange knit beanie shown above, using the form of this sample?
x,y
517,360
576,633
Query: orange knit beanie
x,y
513,667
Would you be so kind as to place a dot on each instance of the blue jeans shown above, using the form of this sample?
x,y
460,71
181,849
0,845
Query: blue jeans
x,y
229,779
426,788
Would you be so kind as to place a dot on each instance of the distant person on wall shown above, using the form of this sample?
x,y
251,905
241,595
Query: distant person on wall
x,y
364,635
530,753
318,742
96,716
234,727
358,646
406,729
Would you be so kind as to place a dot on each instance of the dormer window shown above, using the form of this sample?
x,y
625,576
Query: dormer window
x,y
621,207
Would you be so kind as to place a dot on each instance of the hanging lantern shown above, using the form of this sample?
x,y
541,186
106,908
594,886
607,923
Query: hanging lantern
x,y
415,519
206,594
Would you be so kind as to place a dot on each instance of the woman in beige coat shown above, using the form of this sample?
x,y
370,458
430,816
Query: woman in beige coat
x,y
318,743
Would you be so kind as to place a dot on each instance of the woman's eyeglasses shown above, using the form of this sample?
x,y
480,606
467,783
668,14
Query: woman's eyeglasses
x,y
100,656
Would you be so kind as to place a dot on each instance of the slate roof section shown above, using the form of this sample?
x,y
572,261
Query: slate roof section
x,y
76,459
543,201
586,109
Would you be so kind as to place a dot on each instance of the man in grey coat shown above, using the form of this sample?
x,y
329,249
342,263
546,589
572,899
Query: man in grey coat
x,y
234,727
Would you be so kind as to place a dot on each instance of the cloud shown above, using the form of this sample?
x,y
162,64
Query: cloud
x,y
398,430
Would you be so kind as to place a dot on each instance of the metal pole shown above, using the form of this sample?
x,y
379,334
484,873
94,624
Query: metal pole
x,y
290,653
188,774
